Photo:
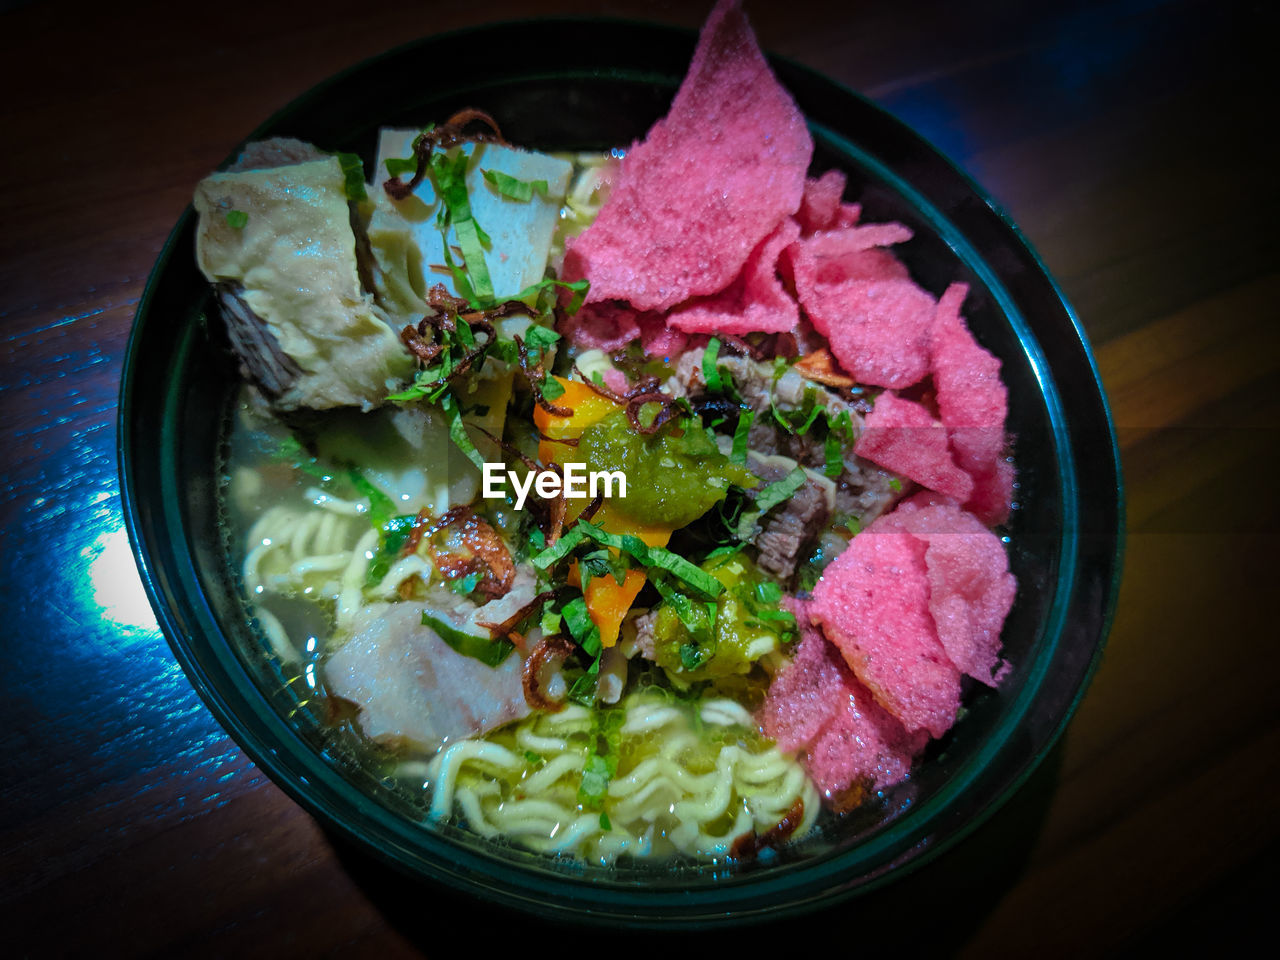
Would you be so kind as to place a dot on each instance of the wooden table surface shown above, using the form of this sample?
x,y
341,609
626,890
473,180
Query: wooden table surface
x,y
1128,140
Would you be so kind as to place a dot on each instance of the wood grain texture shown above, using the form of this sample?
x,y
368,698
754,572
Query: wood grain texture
x,y
1127,140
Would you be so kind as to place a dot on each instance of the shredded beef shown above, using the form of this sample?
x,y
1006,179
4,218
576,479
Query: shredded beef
x,y
787,530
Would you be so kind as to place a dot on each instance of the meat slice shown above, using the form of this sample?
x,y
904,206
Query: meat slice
x,y
785,531
412,686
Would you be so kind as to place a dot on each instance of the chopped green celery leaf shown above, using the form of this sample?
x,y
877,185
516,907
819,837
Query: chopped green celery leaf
x,y
895,484
381,508
465,585
633,545
767,499
782,421
292,451
353,176
780,490
833,455
513,188
237,219
690,573
727,550
583,690
462,330
710,373
425,384
602,762
473,255
604,822
783,616
550,620
537,539
595,779
842,425
740,434
450,175
578,619
552,389
768,592
540,339
506,351
391,539
808,422
698,619
397,167
449,170
659,557
489,652
461,282
691,656
628,542
578,287
458,430
532,757
603,563
597,378
560,549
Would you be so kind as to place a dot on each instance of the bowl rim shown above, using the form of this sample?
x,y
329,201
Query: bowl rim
x,y
186,620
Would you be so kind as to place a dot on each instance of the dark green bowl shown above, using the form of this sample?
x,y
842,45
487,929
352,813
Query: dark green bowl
x,y
1065,537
